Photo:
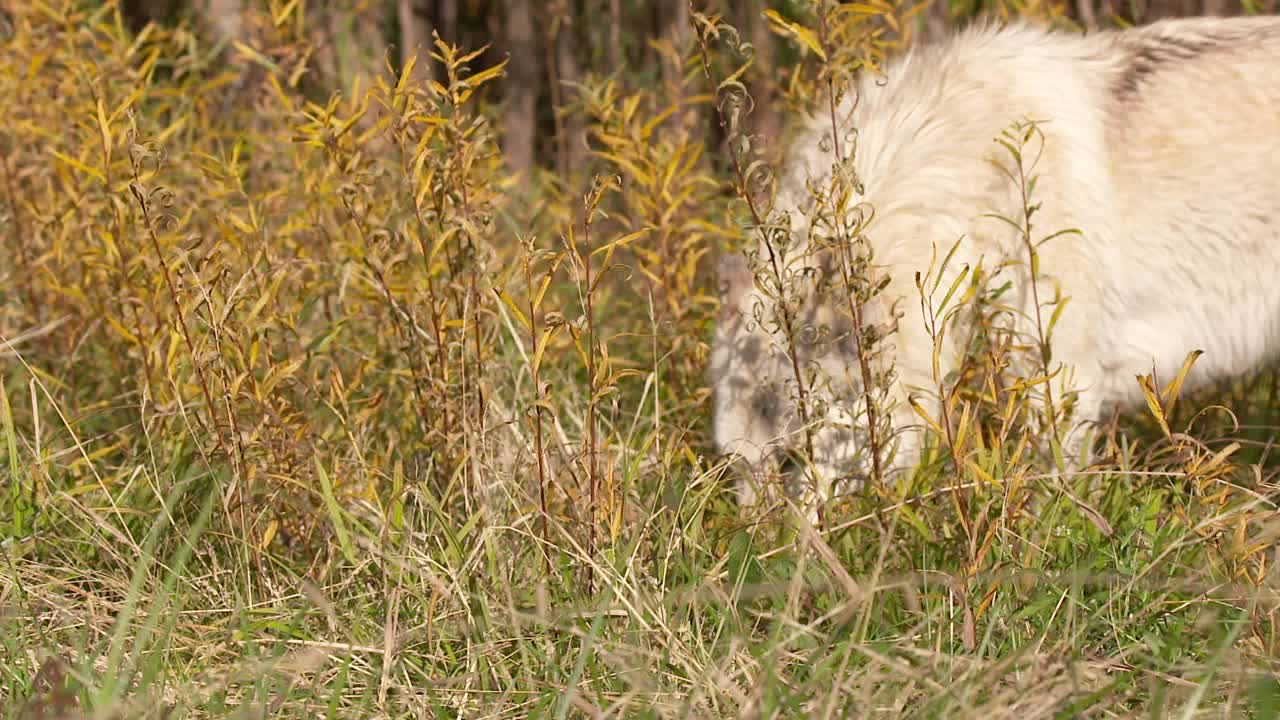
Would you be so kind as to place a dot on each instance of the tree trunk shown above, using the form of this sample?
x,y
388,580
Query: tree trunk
x,y
356,53
415,37
1216,7
936,22
572,140
677,32
615,34
140,12
349,45
765,120
1086,14
449,20
226,19
519,122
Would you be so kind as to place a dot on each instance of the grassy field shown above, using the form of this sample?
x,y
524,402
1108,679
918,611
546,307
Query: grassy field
x,y
309,409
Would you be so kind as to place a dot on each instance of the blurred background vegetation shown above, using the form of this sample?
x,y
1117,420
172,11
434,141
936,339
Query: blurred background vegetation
x,y
353,364
554,45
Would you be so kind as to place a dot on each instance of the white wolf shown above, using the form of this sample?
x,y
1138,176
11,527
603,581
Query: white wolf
x,y
1161,146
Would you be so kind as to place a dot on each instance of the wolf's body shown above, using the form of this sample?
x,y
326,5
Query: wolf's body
x,y
1161,146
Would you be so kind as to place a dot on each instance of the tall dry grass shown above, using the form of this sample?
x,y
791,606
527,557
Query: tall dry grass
x,y
309,407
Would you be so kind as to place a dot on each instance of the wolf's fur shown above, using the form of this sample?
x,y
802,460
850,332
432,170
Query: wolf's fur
x,y
1161,145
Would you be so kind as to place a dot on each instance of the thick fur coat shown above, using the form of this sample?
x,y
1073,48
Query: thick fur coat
x,y
1161,146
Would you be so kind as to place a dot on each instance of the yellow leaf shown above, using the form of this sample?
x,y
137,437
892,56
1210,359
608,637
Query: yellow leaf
x,y
121,329
933,424
1153,403
542,290
515,309
10,436
406,73
629,237
982,474
168,132
128,103
335,513
798,31
641,176
1218,459
279,18
485,76
78,165
471,55
239,223
542,348
256,57
1171,393
648,127
864,9
269,533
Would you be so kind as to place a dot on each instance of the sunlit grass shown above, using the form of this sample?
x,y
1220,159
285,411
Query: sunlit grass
x,y
305,415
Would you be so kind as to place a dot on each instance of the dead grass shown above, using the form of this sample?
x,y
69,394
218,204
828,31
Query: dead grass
x,y
308,411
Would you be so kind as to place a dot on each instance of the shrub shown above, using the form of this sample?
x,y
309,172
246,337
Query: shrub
x,y
309,403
